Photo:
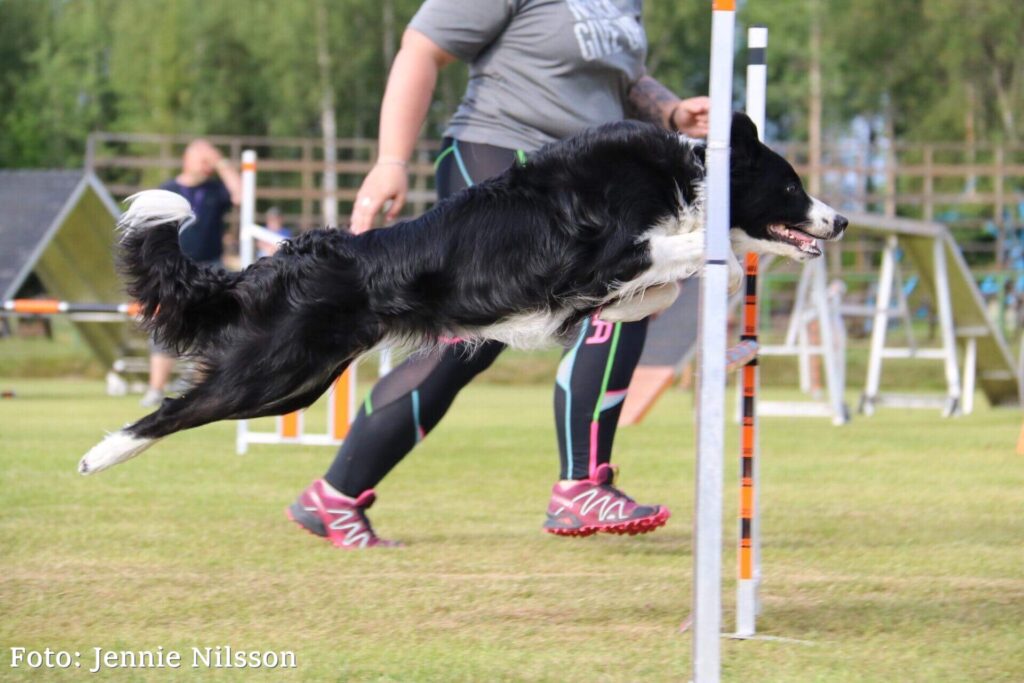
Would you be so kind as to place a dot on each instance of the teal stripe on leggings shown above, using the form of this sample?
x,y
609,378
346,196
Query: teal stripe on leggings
x,y
417,426
462,165
564,380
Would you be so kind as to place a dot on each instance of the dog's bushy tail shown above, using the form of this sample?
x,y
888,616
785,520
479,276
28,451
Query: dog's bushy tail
x,y
182,302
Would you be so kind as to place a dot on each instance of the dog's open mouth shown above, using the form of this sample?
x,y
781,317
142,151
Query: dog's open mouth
x,y
796,237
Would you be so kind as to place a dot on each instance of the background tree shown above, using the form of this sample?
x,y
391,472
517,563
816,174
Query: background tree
x,y
933,69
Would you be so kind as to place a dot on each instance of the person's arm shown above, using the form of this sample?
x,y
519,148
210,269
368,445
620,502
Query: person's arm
x,y
651,101
407,98
229,176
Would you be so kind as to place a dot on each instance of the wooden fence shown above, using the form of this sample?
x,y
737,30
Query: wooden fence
x,y
977,190
290,170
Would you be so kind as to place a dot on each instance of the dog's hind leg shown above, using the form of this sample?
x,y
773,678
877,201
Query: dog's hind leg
x,y
244,395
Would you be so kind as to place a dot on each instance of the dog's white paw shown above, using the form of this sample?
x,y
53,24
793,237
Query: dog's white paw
x,y
114,449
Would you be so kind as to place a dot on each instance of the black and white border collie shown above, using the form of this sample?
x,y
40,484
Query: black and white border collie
x,y
606,221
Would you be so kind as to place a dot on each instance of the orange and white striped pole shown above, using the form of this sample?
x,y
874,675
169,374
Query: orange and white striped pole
x,y
746,586
341,409
247,209
749,551
55,307
246,255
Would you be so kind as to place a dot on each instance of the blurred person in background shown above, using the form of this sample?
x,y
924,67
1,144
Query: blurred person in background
x,y
211,186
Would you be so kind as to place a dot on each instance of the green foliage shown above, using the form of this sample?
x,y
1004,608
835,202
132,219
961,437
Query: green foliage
x,y
68,67
975,47
914,60
679,43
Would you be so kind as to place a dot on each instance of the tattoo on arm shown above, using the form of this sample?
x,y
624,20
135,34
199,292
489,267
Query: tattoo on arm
x,y
650,101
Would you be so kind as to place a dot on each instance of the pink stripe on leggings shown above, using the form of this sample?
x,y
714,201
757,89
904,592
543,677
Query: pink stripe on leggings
x,y
593,446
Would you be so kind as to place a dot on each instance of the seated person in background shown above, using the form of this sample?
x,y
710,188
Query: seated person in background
x,y
275,224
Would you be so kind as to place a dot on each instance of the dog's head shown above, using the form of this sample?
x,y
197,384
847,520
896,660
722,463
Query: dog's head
x,y
771,212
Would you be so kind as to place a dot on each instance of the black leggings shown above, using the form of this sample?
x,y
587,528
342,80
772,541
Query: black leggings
x,y
408,403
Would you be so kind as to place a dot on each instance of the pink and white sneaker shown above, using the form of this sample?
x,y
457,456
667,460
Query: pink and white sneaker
x,y
341,520
593,505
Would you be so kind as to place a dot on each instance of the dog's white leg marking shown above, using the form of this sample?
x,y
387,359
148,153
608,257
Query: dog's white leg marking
x,y
673,257
116,448
736,273
676,257
652,300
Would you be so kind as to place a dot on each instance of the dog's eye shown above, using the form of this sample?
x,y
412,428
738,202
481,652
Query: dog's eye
x,y
792,188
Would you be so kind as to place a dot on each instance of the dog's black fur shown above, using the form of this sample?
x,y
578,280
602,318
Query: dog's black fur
x,y
557,237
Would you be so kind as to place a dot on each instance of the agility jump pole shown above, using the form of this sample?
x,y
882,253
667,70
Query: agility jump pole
x,y
55,307
341,399
707,553
749,551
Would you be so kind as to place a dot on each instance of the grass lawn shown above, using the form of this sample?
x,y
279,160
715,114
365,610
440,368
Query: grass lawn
x,y
894,546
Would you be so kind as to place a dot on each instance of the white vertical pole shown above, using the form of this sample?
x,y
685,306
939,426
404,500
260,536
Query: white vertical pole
x,y
829,356
247,209
757,76
747,588
803,359
970,374
707,555
796,317
835,301
947,328
883,301
246,254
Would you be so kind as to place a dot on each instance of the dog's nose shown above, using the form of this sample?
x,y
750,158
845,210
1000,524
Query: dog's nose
x,y
839,224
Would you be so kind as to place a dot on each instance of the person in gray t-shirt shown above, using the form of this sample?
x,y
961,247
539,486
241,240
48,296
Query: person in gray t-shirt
x,y
539,71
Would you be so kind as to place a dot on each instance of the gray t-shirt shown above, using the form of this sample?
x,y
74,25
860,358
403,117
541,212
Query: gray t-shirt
x,y
539,70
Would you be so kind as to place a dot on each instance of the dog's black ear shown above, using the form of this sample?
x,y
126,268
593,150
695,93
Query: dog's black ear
x,y
745,145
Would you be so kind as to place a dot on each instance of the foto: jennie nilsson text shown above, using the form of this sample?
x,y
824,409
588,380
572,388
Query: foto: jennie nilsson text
x,y
99,659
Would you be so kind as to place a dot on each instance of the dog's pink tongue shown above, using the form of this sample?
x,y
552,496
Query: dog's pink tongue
x,y
801,240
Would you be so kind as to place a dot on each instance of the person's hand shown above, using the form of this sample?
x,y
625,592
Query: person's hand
x,y
386,182
209,154
200,161
213,155
690,116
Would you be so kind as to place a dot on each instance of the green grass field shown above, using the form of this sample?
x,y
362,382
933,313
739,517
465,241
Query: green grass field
x,y
894,546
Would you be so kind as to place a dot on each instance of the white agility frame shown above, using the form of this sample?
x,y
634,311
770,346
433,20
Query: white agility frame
x,y
813,304
959,398
341,409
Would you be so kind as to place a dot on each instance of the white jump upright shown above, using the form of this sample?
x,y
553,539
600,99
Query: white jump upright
x,y
247,208
707,554
341,407
748,578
